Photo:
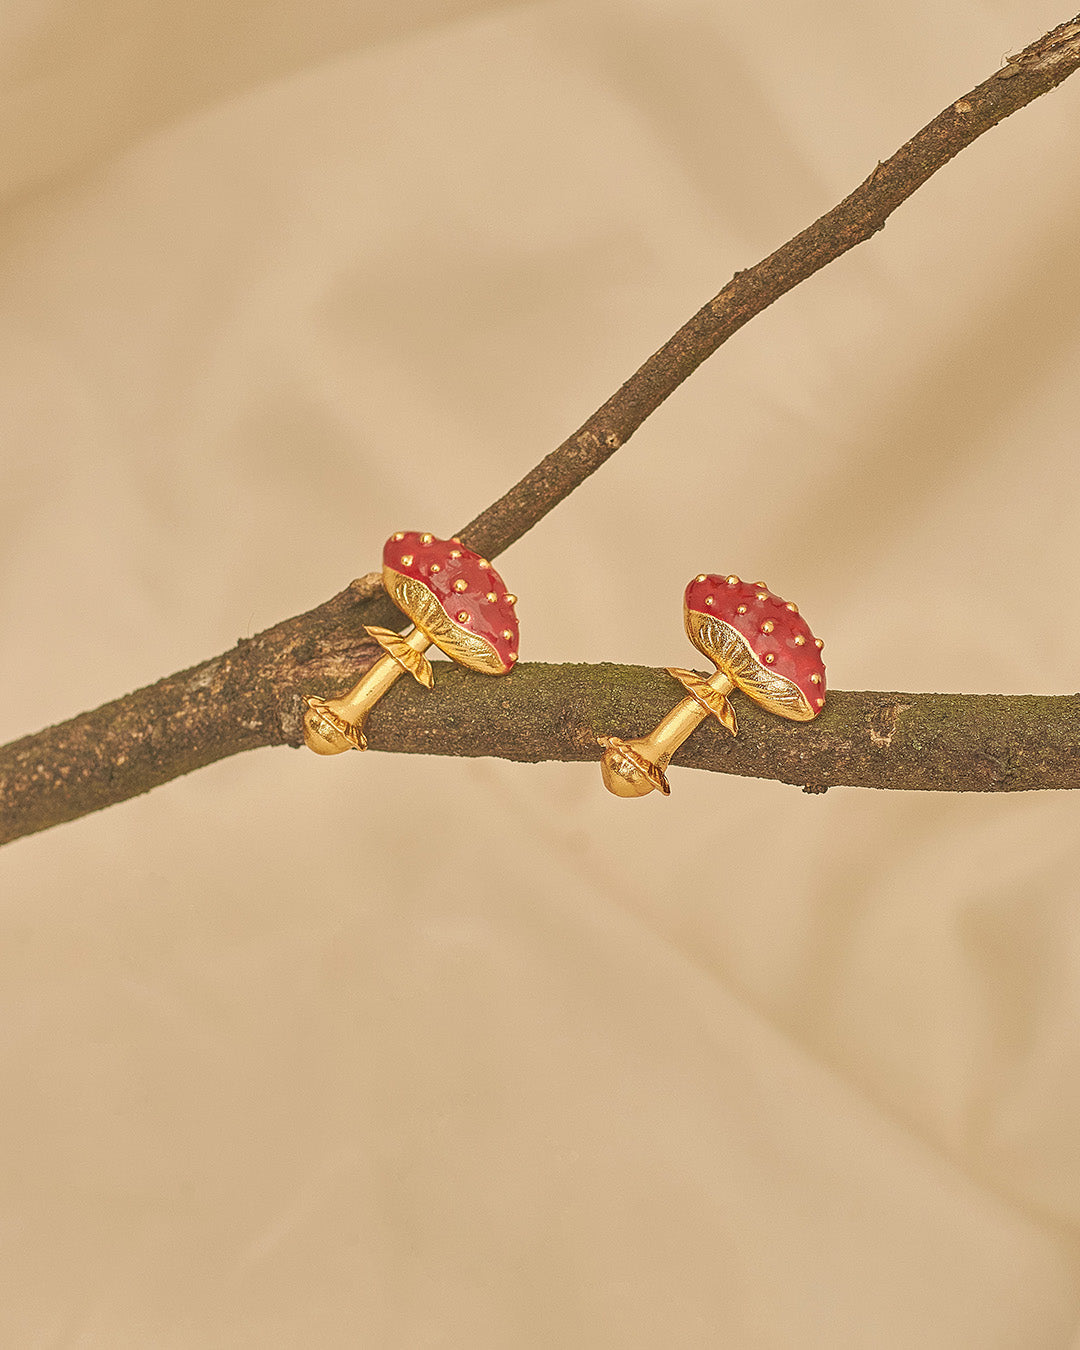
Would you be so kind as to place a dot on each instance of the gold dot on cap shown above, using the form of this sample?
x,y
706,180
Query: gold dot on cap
x,y
792,606
732,580
815,678
512,656
511,599
820,702
491,597
700,576
484,562
763,595
399,536
818,643
740,609
709,600
507,634
461,584
455,553
426,538
768,658
463,616
434,568
406,560
800,641
768,626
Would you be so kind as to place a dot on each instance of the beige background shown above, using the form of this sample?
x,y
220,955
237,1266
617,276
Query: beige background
x,y
518,1064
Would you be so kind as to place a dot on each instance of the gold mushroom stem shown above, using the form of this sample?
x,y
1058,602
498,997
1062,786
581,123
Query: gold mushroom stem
x,y
634,768
334,725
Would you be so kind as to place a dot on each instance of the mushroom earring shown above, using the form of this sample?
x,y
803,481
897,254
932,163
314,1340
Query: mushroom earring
x,y
457,601
758,643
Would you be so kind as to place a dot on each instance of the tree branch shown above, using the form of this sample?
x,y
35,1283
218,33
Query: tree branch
x,y
926,742
250,696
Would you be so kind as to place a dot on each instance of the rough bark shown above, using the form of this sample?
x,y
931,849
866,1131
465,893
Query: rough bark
x,y
250,697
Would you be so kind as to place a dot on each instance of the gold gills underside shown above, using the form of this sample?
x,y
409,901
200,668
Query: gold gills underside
x,y
722,644
414,598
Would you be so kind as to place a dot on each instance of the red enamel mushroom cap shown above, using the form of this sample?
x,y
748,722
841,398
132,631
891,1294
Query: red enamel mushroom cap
x,y
455,597
762,643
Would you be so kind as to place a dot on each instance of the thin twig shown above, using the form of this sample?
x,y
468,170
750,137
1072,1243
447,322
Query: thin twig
x,y
249,696
1036,70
